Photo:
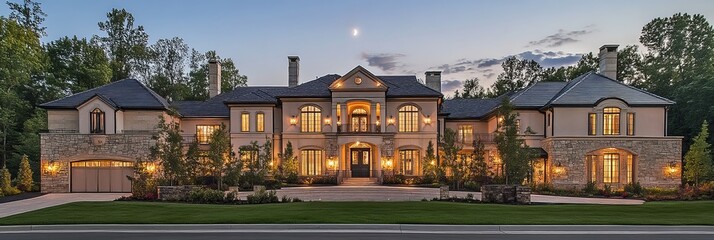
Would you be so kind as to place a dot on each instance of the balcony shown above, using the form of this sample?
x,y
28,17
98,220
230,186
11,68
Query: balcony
x,y
358,129
485,138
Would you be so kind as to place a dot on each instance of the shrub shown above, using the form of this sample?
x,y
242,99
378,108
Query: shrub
x,y
472,185
327,180
659,194
24,175
5,184
232,196
634,189
263,196
206,195
272,184
606,191
591,188
393,179
297,200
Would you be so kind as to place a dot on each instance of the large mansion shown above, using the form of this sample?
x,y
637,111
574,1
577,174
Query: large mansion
x,y
589,129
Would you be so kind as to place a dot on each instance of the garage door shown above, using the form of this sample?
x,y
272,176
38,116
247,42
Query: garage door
x,y
101,176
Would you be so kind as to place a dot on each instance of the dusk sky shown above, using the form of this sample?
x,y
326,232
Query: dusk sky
x,y
465,39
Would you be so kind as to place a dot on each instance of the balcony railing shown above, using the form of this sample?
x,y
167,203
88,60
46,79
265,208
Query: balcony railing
x,y
188,138
362,128
484,137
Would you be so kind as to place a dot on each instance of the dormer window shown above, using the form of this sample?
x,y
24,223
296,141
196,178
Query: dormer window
x,y
96,121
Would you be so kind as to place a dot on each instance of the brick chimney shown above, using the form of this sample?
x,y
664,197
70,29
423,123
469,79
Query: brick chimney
x,y
433,80
608,61
293,70
214,78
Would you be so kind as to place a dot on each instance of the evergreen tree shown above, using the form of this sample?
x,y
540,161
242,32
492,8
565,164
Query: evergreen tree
x,y
24,175
514,152
288,168
698,160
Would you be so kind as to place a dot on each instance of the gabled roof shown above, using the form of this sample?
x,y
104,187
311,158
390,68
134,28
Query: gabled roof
x,y
469,108
537,95
123,94
216,106
591,88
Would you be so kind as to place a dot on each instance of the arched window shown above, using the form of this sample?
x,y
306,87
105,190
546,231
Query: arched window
x,y
611,121
310,119
408,118
96,121
359,120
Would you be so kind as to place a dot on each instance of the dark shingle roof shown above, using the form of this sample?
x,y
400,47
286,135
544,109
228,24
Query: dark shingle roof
x,y
398,86
469,108
591,88
537,95
123,94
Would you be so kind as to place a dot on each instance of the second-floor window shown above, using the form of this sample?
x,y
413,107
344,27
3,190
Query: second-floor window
x,y
203,133
245,122
630,124
592,123
260,122
466,133
310,119
611,121
408,118
96,121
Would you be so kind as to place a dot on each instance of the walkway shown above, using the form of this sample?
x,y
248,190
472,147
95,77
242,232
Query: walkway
x,y
390,193
53,199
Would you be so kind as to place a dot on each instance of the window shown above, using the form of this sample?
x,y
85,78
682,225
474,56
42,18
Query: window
x,y
466,133
611,121
408,158
408,118
311,162
359,120
548,119
260,122
203,133
245,122
310,119
631,124
611,168
592,124
518,126
248,155
592,162
629,168
96,121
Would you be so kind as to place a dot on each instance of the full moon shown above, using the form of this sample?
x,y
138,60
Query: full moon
x,y
355,32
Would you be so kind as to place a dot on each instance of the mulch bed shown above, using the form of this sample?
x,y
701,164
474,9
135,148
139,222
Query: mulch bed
x,y
20,196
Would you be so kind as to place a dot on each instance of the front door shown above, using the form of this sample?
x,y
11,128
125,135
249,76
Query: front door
x,y
360,159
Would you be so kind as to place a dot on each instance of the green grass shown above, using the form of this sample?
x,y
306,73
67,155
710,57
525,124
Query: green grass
x,y
660,213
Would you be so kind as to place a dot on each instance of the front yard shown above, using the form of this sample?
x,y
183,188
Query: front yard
x,y
654,213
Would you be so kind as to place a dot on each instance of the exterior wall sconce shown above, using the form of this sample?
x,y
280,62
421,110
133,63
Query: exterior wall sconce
x,y
331,163
293,120
427,120
150,168
671,170
390,120
558,169
328,120
388,163
51,168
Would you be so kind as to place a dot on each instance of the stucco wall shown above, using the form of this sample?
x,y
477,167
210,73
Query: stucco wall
x,y
137,120
86,108
573,121
63,120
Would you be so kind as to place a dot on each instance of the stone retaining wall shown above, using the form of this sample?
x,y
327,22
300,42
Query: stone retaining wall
x,y
175,193
499,193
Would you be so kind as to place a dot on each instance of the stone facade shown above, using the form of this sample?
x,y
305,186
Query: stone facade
x,y
653,157
60,149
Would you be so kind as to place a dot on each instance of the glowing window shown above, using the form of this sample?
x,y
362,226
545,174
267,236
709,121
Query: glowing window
x,y
203,133
630,124
245,122
408,158
611,168
408,118
611,121
310,117
311,162
96,121
260,122
592,124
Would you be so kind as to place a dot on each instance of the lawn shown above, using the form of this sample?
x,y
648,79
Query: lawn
x,y
659,213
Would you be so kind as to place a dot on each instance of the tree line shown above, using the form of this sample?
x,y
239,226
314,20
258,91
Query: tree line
x,y
33,72
677,63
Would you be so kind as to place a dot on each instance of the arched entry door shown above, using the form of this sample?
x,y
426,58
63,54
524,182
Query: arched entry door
x,y
360,159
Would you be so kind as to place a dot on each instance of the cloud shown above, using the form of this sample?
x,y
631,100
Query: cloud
x,y
550,59
385,61
449,86
562,37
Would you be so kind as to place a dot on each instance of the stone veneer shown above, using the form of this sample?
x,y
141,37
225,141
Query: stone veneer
x,y
64,148
652,157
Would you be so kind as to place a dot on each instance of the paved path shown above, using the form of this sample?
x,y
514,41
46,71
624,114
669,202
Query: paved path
x,y
389,193
53,199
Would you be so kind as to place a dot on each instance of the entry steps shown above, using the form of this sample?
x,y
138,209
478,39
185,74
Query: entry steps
x,y
360,182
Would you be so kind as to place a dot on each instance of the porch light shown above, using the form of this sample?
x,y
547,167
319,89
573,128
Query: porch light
x,y
427,120
558,169
52,168
293,120
433,162
331,163
390,120
328,120
388,164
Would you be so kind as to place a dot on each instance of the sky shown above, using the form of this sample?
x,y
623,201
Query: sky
x,y
464,39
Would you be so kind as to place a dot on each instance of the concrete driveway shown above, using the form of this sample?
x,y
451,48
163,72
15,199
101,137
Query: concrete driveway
x,y
390,193
53,199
